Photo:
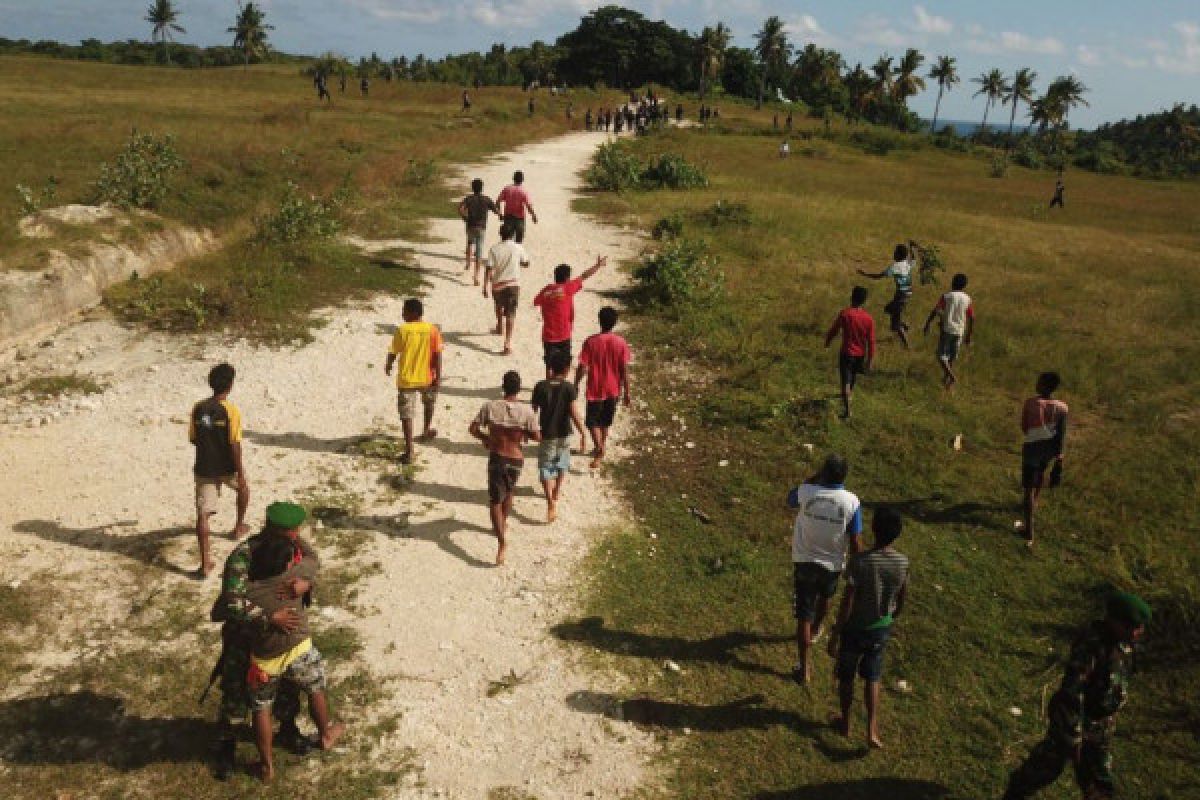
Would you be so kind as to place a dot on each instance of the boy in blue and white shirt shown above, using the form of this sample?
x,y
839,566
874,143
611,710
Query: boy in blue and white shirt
x,y
828,522
901,271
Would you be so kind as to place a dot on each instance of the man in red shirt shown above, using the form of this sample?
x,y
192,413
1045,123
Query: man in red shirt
x,y
514,202
605,362
858,344
557,301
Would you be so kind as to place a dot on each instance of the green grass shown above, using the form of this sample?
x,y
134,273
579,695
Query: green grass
x,y
46,387
1099,293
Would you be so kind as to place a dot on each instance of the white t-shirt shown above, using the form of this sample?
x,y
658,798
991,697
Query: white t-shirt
x,y
901,273
504,260
955,307
825,517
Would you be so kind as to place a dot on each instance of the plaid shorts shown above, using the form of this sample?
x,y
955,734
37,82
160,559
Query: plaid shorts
x,y
306,673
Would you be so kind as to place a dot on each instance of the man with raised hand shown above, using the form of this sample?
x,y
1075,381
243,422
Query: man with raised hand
x,y
557,302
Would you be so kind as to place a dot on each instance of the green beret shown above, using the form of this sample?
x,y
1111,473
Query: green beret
x,y
286,515
1128,607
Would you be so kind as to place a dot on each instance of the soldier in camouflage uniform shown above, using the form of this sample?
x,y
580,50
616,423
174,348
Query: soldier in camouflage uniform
x,y
1083,712
240,618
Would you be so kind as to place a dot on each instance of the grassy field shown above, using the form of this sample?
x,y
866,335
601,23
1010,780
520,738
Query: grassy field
x,y
1101,292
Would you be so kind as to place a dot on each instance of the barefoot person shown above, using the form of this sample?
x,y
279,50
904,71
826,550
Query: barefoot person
x,y
554,400
957,315
605,362
474,210
503,426
858,344
876,583
417,345
241,619
557,302
514,203
215,429
901,271
1044,426
828,521
278,656
503,273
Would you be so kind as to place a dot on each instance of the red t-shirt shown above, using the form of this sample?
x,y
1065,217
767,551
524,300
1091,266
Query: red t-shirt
x,y
514,198
858,332
558,309
604,354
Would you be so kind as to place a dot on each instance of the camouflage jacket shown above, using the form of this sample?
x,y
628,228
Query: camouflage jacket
x,y
233,607
1095,685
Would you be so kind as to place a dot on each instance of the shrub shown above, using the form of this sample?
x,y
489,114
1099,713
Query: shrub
x,y
722,213
300,217
670,227
681,273
999,167
931,265
875,142
420,172
1027,155
948,140
613,169
139,176
32,201
673,171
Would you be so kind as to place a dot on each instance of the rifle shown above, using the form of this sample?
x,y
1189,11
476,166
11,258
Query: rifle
x,y
217,669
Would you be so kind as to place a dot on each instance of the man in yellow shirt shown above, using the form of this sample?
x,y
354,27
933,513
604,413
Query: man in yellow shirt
x,y
417,345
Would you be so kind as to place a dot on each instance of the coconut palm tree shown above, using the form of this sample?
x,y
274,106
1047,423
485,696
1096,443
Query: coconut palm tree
x,y
1070,91
860,87
993,86
165,18
884,74
1020,91
945,72
712,44
907,82
250,32
773,50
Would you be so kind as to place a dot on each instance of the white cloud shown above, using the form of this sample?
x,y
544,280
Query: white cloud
x,y
421,12
1185,58
1013,42
1087,56
805,29
931,23
878,30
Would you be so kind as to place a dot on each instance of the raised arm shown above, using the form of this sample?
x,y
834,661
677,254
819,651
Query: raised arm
x,y
592,270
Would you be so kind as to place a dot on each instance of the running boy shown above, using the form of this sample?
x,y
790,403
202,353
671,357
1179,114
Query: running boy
x,y
418,346
858,344
215,429
1044,426
277,656
474,210
503,426
903,260
557,301
876,584
515,201
957,314
554,400
503,273
605,361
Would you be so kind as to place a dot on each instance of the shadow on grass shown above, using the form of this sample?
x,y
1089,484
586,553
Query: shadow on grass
x,y
436,531
741,714
146,546
933,511
85,727
865,789
714,650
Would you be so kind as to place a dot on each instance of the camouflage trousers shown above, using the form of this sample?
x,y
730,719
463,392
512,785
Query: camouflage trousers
x,y
235,695
1093,771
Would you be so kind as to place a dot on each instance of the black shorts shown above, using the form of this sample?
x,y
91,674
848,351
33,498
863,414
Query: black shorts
x,y
1036,458
503,474
518,226
555,347
895,309
600,413
850,367
810,583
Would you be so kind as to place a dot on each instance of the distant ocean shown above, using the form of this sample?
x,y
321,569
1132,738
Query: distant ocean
x,y
963,128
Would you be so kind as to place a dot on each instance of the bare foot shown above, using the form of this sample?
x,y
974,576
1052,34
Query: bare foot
x,y
498,330
506,351
874,742
332,735
500,555
427,435
264,772
597,459
240,532
840,724
551,513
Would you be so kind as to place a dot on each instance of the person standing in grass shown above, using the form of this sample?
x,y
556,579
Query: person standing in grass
x,y
474,210
901,271
466,102
417,345
858,344
957,315
604,360
503,426
554,400
1059,189
876,584
514,203
828,522
1044,426
1082,714
557,301
215,430
503,273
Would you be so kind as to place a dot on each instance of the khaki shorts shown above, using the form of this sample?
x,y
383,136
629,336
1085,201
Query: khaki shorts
x,y
410,401
208,492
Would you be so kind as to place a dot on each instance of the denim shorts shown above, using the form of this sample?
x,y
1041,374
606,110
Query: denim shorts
x,y
862,652
475,237
554,458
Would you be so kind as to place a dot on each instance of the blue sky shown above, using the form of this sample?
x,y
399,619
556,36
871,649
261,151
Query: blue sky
x,y
1135,57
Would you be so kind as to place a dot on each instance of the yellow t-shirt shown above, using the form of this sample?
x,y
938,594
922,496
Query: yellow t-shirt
x,y
278,665
413,346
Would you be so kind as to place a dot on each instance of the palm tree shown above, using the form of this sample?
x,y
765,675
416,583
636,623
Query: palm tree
x,y
1020,91
713,43
884,73
1070,91
994,87
165,18
945,72
250,32
908,82
859,86
773,49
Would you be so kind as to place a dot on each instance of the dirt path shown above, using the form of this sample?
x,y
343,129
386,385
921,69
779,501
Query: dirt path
x,y
89,482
